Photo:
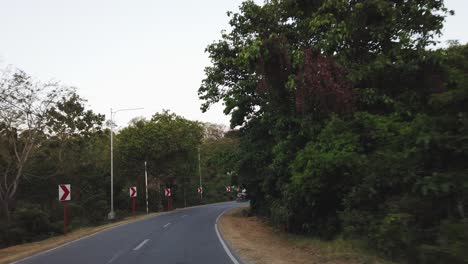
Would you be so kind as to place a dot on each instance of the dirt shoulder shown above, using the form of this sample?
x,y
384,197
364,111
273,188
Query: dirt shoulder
x,y
13,253
256,242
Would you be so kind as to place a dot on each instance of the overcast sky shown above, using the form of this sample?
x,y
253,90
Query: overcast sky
x,y
138,53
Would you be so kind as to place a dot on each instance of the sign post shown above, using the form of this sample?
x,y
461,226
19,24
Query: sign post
x,y
168,194
64,218
64,196
133,194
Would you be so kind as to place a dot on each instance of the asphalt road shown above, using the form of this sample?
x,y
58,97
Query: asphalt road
x,y
179,237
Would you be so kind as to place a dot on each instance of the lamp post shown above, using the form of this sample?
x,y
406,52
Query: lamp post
x,y
199,172
111,214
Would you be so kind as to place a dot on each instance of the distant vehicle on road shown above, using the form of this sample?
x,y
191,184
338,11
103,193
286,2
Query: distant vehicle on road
x,y
242,197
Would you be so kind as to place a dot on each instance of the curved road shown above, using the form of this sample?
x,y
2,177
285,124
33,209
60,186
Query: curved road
x,y
179,237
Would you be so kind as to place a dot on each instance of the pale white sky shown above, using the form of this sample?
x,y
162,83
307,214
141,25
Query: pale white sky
x,y
130,53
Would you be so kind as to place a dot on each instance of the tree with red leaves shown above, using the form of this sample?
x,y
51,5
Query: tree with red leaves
x,y
322,87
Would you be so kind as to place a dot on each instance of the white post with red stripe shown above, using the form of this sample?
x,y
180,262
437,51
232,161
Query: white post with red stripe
x,y
146,188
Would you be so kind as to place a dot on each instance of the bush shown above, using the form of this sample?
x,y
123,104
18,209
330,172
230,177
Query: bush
x,y
12,235
98,212
356,224
34,220
56,228
279,215
452,244
322,174
394,236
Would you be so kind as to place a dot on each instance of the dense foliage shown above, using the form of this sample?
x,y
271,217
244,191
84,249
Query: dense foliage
x,y
349,124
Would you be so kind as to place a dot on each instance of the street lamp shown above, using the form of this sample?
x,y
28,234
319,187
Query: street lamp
x,y
199,172
111,214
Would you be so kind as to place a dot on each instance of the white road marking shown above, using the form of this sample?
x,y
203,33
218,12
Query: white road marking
x,y
141,244
228,252
86,237
184,216
34,255
115,257
166,225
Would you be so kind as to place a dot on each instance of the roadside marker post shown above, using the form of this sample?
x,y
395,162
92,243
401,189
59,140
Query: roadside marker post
x,y
168,194
64,191
200,191
64,218
133,194
199,172
146,188
133,206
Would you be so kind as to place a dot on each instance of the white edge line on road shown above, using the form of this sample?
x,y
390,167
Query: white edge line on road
x,y
68,243
141,244
226,248
166,225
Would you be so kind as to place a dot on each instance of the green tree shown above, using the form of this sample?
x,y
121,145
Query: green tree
x,y
169,145
24,105
347,121
219,162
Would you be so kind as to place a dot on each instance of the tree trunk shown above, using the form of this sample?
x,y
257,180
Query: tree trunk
x,y
6,210
461,210
161,194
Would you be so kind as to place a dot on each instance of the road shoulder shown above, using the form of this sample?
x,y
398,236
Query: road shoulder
x,y
254,241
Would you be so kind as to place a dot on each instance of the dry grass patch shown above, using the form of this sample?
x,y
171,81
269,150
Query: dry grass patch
x,y
10,254
256,242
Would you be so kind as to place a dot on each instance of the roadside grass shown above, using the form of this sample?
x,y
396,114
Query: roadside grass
x,y
255,241
338,248
18,252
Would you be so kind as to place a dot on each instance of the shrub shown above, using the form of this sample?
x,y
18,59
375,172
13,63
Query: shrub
x,y
451,247
33,220
12,235
279,215
394,236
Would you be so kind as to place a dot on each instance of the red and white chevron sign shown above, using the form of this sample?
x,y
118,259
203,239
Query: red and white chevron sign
x,y
228,188
167,192
133,191
64,192
200,189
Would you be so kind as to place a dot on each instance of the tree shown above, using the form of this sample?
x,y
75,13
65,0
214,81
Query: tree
x,y
68,120
364,36
348,122
219,161
24,107
168,143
